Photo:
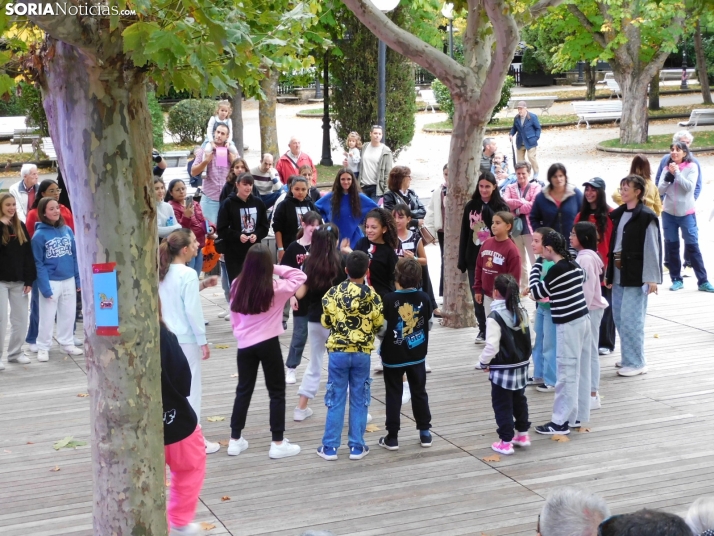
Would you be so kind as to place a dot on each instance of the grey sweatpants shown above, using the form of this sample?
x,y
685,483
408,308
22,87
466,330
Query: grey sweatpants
x,y
572,358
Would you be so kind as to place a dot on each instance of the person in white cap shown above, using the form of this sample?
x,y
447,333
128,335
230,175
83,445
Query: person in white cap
x,y
526,128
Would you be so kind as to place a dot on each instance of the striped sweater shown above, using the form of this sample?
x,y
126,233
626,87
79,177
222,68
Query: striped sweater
x,y
563,285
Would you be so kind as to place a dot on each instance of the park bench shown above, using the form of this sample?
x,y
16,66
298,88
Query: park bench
x,y
287,99
49,149
8,125
24,135
543,103
613,86
699,116
597,111
175,158
172,173
427,95
676,74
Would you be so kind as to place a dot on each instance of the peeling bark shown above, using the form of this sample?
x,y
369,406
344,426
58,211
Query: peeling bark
x,y
266,115
237,119
99,122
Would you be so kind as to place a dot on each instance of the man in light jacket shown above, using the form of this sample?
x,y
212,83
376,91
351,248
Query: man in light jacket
x,y
526,127
375,164
25,191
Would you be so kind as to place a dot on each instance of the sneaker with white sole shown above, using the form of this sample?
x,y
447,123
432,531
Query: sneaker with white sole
x,y
2,365
78,342
389,443
618,364
192,529
369,418
20,360
595,402
480,338
425,438
521,439
43,356
300,415
406,394
357,453
327,453
284,450
503,447
31,349
236,446
534,381
604,351
543,388
427,367
550,428
224,314
290,376
211,447
227,318
379,367
72,350
632,371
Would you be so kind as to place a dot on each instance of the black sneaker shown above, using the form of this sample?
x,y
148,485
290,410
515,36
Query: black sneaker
x,y
285,325
389,443
480,338
551,428
425,438
543,388
576,424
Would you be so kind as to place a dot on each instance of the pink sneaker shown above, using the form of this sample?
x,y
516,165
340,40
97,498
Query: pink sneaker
x,y
503,447
521,440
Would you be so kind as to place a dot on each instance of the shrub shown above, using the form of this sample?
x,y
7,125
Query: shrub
x,y
12,107
158,123
30,99
188,119
443,97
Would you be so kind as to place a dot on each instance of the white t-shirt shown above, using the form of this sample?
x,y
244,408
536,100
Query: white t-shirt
x,y
370,165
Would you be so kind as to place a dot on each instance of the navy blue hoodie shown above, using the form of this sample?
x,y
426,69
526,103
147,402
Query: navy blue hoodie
x,y
55,256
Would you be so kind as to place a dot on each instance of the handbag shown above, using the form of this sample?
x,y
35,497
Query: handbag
x,y
426,236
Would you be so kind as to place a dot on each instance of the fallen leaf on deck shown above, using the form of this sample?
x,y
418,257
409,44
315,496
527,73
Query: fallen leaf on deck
x,y
215,419
68,443
223,442
30,443
207,526
83,395
656,336
7,451
65,358
234,375
584,430
55,469
222,346
559,438
492,458
372,428
225,498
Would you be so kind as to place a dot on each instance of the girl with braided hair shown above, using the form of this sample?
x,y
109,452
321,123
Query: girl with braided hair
x,y
505,357
563,285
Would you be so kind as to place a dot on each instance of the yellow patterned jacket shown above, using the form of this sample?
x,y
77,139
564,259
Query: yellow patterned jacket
x,y
353,314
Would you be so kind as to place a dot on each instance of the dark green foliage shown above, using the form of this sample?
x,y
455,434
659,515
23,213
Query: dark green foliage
x,y
157,120
12,107
31,101
443,97
531,63
189,118
355,85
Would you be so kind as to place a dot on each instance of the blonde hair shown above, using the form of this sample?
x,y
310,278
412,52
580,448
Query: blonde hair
x,y
14,223
354,136
223,104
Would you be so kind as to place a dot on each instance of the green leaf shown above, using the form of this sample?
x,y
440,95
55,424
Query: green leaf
x,y
62,443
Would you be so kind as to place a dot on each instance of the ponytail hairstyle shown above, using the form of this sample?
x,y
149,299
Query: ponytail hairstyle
x,y
252,292
385,219
587,235
507,218
507,287
14,224
353,192
560,246
324,263
171,247
309,218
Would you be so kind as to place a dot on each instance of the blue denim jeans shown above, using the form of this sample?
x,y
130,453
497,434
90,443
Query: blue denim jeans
x,y
544,347
270,199
225,284
297,343
197,262
690,233
347,369
34,324
210,209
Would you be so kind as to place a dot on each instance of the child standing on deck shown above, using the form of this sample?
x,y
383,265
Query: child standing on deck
x,y
505,357
352,311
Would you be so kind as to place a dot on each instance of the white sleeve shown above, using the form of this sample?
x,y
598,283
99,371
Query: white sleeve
x,y
493,341
192,306
209,128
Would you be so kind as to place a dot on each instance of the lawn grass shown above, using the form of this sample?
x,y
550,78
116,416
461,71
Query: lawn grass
x,y
317,112
703,138
580,93
327,174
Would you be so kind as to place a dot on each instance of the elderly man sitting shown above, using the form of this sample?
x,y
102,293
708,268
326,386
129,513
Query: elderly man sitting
x,y
572,511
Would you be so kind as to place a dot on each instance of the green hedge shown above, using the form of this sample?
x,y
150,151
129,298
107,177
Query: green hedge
x,y
158,123
189,118
443,97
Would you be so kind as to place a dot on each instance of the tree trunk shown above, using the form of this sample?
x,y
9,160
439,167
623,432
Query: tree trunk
x,y
701,64
99,122
266,115
590,82
633,125
237,119
654,93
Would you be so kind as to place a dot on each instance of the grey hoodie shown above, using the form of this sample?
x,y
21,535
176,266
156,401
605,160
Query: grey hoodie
x,y
679,195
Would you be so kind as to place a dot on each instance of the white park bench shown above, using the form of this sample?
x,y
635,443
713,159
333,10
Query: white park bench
x,y
699,116
676,74
8,126
597,111
613,86
20,136
427,95
49,149
175,158
543,103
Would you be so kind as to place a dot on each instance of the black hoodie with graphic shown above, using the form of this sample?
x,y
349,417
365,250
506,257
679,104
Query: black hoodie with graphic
x,y
287,219
237,217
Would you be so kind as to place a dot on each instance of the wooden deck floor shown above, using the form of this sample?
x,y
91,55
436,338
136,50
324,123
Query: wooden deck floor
x,y
649,445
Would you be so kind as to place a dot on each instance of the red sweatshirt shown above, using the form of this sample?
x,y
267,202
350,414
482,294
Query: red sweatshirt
x,y
495,258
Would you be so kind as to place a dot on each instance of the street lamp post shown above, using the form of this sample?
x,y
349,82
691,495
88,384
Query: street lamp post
x,y
684,70
326,149
384,6
448,12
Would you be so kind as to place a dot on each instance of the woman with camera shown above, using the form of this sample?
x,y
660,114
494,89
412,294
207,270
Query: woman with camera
x,y
189,214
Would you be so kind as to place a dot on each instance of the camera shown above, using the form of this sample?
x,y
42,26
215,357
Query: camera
x,y
156,156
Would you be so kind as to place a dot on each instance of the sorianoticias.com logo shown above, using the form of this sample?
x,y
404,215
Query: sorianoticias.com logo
x,y
65,8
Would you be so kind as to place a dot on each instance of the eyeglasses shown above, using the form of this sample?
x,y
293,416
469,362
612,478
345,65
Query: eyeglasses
x,y
55,191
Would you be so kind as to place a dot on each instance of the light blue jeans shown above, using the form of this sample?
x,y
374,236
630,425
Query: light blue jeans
x,y
347,369
225,284
210,209
297,343
197,262
572,390
544,347
629,310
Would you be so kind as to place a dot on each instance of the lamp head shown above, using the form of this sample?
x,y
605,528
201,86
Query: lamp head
x,y
448,10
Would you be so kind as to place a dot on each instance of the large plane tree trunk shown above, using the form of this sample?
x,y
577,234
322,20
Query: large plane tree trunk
x,y
96,106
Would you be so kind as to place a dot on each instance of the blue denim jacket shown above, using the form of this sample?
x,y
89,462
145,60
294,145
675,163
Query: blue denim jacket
x,y
528,133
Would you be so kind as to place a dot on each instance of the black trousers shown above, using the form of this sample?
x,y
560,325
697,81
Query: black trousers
x,y
416,376
509,405
478,307
269,355
371,192
608,333
234,266
440,236
427,287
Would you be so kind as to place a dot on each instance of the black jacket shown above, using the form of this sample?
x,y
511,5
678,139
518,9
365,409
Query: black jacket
x,y
179,418
633,240
287,217
468,251
515,348
16,261
237,217
416,207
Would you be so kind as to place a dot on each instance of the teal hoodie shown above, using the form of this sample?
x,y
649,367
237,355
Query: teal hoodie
x,y
55,256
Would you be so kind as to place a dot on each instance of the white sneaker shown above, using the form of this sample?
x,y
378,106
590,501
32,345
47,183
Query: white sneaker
x,y
369,418
595,402
20,360
43,355
427,367
290,376
300,415
211,447
379,367
632,371
78,342
223,314
406,394
31,349
192,529
227,318
2,365
72,350
236,446
284,450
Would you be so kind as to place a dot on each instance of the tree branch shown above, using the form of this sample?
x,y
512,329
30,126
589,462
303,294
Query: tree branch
x,y
597,35
64,28
407,44
542,5
656,63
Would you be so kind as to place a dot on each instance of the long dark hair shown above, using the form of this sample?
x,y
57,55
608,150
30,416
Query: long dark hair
x,y
600,212
385,219
553,169
44,186
231,177
252,292
559,245
42,208
587,235
641,166
324,263
309,218
507,287
353,192
496,202
168,197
